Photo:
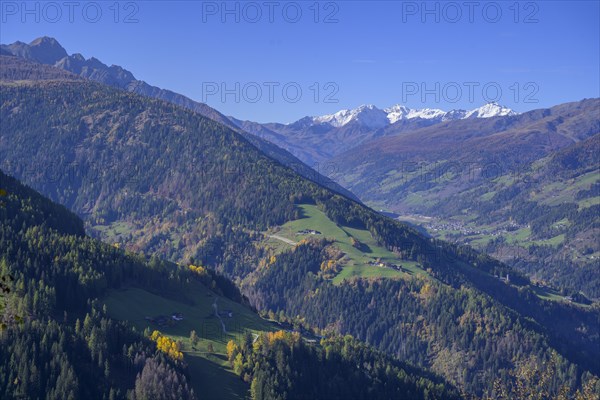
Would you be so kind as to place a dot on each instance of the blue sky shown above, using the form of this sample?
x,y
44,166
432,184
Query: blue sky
x,y
537,54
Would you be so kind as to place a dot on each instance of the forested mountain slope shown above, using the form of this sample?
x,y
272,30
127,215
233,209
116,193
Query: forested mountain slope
x,y
56,342
52,315
545,221
166,181
48,51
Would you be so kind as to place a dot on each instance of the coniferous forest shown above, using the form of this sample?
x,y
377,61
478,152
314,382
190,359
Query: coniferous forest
x,y
58,341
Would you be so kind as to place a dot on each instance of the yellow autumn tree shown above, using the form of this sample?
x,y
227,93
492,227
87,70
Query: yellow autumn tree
x,y
426,291
232,350
272,337
199,269
327,265
167,345
290,338
155,335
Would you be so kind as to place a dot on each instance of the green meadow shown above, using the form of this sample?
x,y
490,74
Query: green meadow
x,y
356,260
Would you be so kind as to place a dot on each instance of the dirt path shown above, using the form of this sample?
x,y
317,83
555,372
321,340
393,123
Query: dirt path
x,y
216,307
288,241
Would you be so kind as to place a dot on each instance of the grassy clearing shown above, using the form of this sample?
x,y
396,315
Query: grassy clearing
x,y
554,241
356,260
418,199
549,294
212,377
591,201
586,180
562,223
357,271
479,242
277,245
113,232
518,237
488,196
565,191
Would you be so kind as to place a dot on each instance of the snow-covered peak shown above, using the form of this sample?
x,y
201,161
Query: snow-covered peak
x,y
375,118
490,110
454,114
367,115
398,112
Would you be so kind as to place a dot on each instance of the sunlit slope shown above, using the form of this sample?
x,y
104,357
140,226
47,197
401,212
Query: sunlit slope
x,y
360,260
210,371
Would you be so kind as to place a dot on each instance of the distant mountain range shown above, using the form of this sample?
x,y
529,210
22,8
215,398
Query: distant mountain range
x,y
48,51
315,140
375,169
375,118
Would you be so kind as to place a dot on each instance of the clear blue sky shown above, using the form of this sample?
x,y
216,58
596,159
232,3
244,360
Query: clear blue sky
x,y
376,53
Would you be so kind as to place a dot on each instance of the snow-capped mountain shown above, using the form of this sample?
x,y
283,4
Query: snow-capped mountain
x,y
490,110
367,115
375,118
398,112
